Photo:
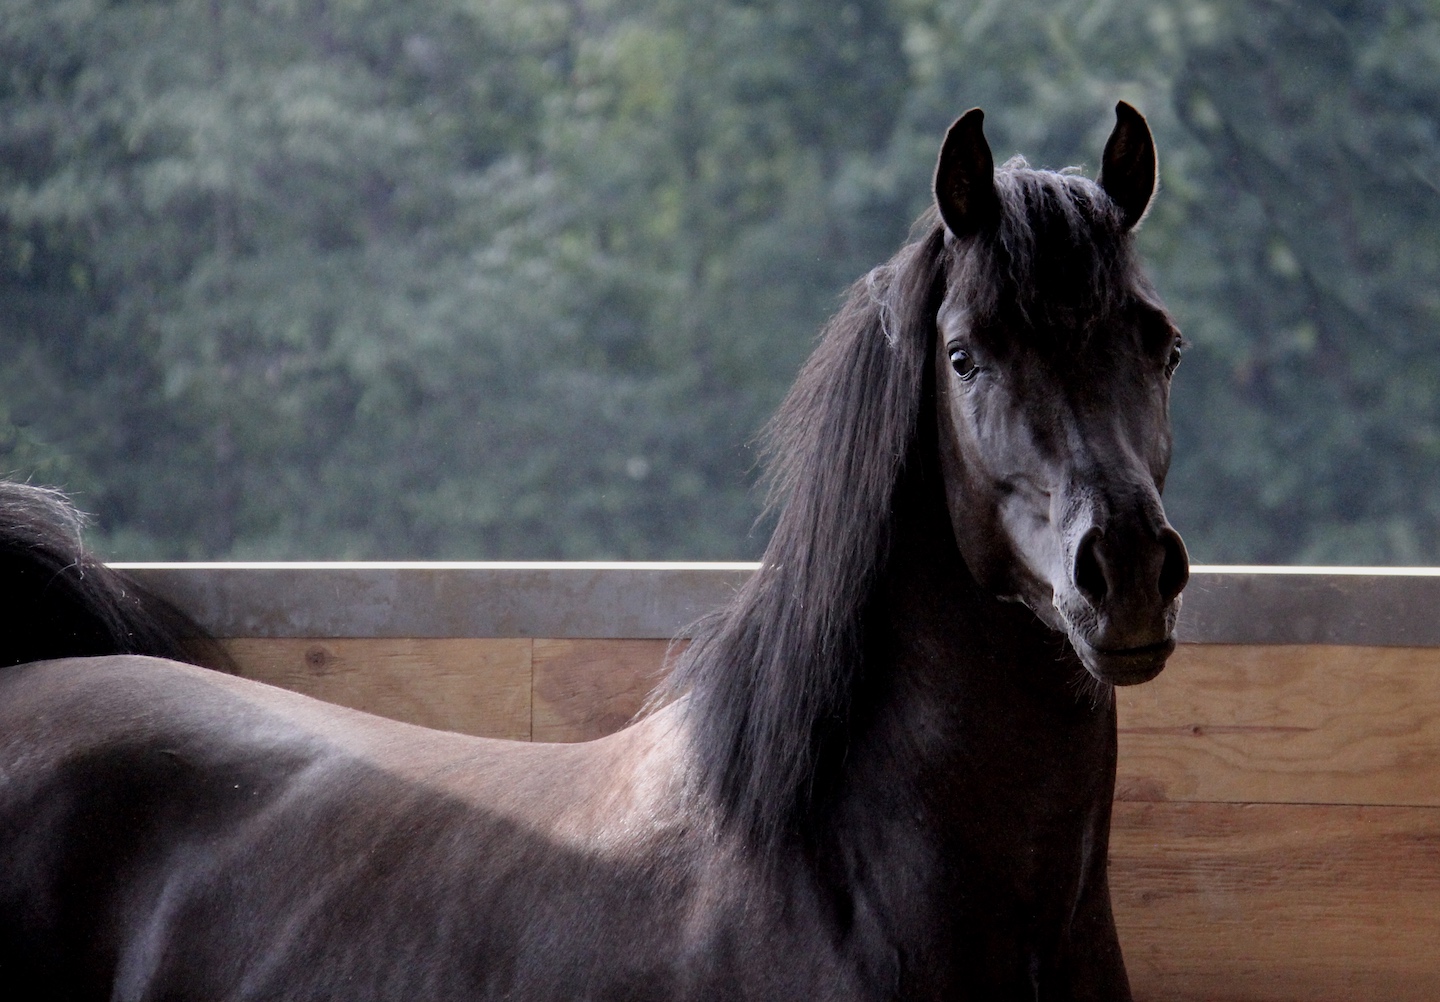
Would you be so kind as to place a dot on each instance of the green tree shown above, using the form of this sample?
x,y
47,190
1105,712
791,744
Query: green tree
x,y
523,279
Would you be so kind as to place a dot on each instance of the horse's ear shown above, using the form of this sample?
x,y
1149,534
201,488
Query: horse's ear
x,y
1127,170
965,177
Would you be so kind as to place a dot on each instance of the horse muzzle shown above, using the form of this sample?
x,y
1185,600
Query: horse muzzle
x,y
1122,600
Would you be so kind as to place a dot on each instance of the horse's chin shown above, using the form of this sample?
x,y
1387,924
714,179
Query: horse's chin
x,y
1125,667
1129,666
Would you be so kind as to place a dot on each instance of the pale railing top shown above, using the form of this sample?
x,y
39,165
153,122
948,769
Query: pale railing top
x,y
1363,606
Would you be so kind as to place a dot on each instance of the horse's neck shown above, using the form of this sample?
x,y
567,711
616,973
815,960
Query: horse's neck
x,y
977,760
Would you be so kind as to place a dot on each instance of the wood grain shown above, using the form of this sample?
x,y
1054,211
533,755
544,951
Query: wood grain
x,y
477,687
1228,902
585,689
1303,724
1222,724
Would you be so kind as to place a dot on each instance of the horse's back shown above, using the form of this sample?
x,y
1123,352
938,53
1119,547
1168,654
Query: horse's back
x,y
57,710
168,830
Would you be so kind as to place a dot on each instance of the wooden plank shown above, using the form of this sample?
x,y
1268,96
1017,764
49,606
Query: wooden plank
x,y
1278,903
585,689
474,686
1303,724
1221,724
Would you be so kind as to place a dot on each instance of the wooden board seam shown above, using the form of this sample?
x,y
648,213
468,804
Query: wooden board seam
x,y
531,657
1280,803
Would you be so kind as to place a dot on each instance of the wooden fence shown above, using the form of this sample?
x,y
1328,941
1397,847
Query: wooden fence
x,y
1277,818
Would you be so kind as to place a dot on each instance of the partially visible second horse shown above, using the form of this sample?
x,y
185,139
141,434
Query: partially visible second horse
x,y
884,771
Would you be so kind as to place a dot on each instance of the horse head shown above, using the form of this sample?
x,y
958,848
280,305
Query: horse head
x,y
1053,365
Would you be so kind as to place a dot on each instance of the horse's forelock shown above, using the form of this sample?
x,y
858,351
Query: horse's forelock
x,y
1060,257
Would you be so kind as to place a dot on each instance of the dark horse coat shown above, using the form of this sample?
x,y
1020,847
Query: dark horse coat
x,y
883,772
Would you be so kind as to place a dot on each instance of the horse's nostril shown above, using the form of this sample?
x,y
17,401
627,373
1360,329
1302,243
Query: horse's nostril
x,y
1175,571
1089,574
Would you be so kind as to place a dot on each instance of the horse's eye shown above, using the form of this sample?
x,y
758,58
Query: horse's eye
x,y
965,366
1173,362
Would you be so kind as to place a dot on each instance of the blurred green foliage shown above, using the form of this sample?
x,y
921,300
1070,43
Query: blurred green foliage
x,y
483,279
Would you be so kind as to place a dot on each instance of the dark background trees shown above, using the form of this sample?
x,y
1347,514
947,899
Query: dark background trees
x,y
518,279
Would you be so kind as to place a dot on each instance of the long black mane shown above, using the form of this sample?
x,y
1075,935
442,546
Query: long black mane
x,y
770,679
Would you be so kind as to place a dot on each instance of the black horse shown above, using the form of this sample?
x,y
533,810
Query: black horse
x,y
884,772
